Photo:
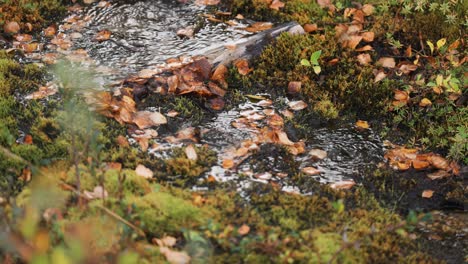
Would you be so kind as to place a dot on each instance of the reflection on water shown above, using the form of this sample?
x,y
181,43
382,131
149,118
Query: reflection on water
x,y
144,33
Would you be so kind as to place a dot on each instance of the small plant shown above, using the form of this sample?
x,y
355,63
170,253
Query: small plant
x,y
313,62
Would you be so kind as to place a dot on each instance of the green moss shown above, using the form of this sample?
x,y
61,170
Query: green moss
x,y
162,213
35,12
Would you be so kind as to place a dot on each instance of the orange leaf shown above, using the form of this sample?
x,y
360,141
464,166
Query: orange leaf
x,y
228,163
243,230
145,119
427,193
362,124
309,28
343,185
276,5
310,171
242,66
103,35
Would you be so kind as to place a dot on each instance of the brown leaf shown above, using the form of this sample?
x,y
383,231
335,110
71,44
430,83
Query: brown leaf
x,y
122,141
309,28
425,102
103,35
294,87
276,5
11,27
379,75
242,66
364,59
175,257
43,92
297,105
368,9
311,171
368,36
420,164
259,26
97,193
427,193
172,83
276,121
386,62
186,32
217,104
228,163
23,37
243,230
438,175
439,162
144,172
283,139
365,48
317,154
352,41
206,2
401,95
28,140
343,185
191,153
362,124
146,119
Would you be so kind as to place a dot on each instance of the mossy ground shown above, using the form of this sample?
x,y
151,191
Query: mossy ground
x,y
366,224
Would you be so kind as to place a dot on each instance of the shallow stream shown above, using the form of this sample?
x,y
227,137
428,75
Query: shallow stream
x,y
144,33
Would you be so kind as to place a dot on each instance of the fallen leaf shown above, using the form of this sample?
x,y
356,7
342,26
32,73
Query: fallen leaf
x,y
146,119
311,171
386,62
343,185
294,87
368,36
103,35
186,32
167,241
206,2
425,102
243,230
264,176
144,172
427,193
297,105
364,59
175,257
368,9
97,193
191,153
276,5
317,154
259,26
379,75
365,48
217,104
11,27
420,164
23,37
172,113
401,95
43,92
362,124
228,163
242,66
28,140
439,162
438,175
283,138
309,28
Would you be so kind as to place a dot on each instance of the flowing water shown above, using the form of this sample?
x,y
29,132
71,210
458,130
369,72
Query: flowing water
x,y
144,34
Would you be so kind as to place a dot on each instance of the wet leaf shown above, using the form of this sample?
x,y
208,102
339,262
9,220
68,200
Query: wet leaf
x,y
386,62
297,105
310,171
146,119
283,138
317,154
438,175
228,163
427,193
144,172
439,162
420,164
276,5
103,35
362,124
259,26
43,92
206,2
242,66
343,185
191,153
